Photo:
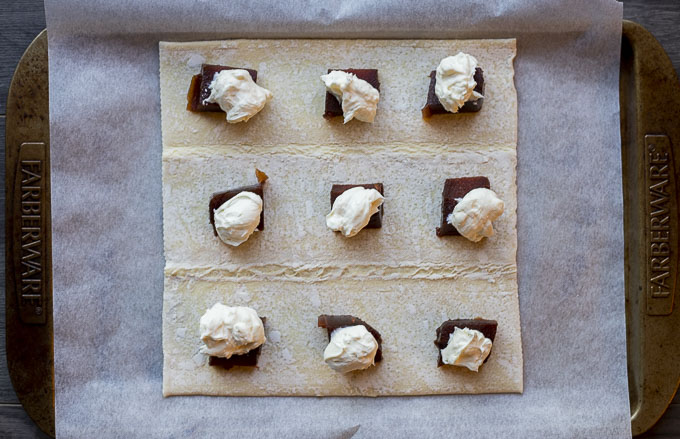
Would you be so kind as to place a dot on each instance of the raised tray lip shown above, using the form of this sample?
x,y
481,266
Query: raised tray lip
x,y
653,366
30,365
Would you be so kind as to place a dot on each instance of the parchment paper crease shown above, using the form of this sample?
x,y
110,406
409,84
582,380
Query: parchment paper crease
x,y
107,236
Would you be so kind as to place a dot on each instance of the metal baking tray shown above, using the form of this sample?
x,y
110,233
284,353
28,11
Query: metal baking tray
x,y
650,138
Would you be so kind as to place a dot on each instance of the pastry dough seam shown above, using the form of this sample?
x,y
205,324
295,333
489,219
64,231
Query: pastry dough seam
x,y
320,273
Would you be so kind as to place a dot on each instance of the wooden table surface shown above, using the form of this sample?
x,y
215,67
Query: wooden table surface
x,y
22,20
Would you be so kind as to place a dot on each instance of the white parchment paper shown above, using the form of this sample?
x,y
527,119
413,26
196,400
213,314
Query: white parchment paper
x,y
107,226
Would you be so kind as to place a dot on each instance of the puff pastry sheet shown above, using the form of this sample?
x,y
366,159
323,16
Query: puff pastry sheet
x,y
401,279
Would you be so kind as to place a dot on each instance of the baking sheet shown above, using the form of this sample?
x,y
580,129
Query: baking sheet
x,y
107,240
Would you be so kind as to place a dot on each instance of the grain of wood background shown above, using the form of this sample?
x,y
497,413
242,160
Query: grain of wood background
x,y
22,20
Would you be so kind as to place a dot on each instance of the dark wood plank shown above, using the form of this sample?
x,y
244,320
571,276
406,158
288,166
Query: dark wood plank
x,y
669,425
20,22
662,19
15,424
6,391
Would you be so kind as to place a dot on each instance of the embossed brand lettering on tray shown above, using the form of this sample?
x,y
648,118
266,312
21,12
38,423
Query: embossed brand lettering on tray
x,y
659,221
31,236
661,261
30,222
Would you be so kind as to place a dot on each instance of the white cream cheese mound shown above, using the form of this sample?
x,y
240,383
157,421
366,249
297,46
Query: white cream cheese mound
x,y
455,82
351,348
238,95
238,217
228,331
474,213
353,209
358,98
466,348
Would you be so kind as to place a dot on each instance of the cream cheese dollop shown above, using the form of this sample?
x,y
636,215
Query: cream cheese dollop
x,y
238,95
237,218
353,209
351,348
474,213
358,98
227,331
455,82
466,348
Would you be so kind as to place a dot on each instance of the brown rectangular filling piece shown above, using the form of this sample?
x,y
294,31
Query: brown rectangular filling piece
x,y
376,219
219,198
486,327
333,107
249,359
333,322
434,106
457,188
199,90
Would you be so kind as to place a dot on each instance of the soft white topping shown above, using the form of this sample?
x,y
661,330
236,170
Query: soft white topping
x,y
237,95
238,217
455,82
358,98
466,348
474,213
351,348
228,331
353,209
